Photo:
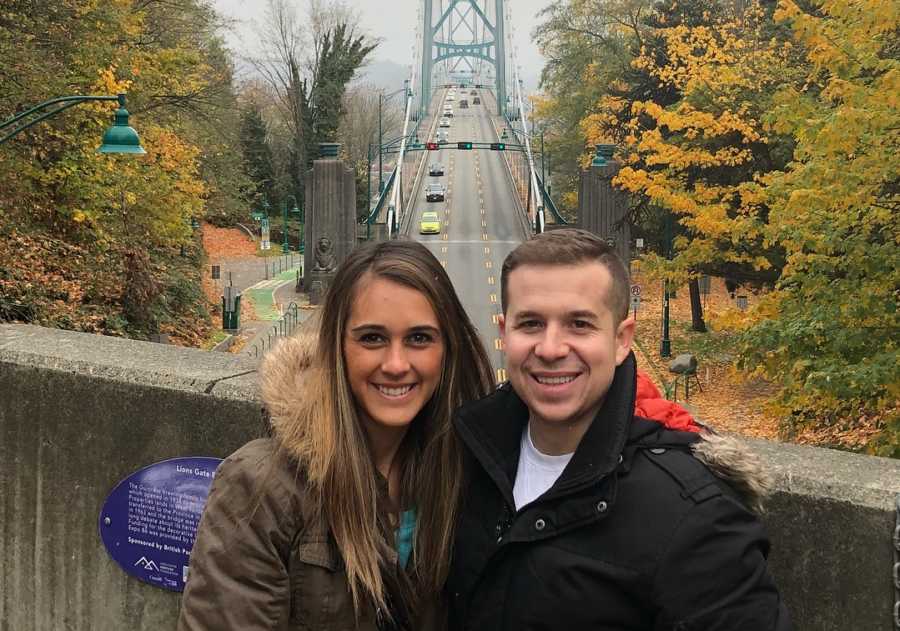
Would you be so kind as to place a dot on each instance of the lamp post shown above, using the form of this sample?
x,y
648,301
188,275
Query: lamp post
x,y
665,345
285,246
120,138
382,97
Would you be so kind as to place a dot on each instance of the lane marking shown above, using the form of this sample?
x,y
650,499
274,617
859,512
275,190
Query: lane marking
x,y
498,344
443,249
484,237
501,375
444,236
487,250
491,280
495,318
444,263
488,264
493,299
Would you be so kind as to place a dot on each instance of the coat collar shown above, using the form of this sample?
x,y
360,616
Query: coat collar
x,y
492,429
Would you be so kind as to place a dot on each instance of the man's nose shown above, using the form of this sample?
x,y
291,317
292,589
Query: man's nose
x,y
553,344
396,361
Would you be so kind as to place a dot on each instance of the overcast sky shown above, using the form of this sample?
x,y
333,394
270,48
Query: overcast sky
x,y
392,21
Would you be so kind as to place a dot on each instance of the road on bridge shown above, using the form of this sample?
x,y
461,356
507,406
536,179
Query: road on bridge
x,y
479,218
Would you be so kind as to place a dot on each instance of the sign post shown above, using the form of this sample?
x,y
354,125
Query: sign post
x,y
635,299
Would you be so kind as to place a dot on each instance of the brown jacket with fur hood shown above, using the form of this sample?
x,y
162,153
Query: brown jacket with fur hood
x,y
263,559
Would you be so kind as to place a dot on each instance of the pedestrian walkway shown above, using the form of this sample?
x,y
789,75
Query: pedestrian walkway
x,y
262,295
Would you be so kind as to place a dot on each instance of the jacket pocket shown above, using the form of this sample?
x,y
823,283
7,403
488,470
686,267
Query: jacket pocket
x,y
320,596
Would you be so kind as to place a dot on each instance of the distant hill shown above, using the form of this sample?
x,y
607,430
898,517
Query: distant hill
x,y
383,73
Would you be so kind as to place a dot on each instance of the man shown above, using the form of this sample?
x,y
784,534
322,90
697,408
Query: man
x,y
578,514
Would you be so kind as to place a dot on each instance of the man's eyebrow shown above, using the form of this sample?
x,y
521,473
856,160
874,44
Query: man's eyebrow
x,y
584,314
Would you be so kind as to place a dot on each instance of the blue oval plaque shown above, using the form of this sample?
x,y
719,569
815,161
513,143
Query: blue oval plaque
x,y
149,521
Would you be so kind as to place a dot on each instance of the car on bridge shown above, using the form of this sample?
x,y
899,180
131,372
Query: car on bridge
x,y
464,104
451,97
430,223
435,169
443,137
448,113
434,192
445,122
473,92
476,101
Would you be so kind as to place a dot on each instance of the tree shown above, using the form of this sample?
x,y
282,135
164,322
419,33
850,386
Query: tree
x,y
830,331
257,154
308,68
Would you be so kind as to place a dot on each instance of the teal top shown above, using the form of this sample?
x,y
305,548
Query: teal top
x,y
405,535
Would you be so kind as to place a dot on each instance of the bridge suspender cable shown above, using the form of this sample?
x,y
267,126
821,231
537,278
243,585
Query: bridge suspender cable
x,y
535,200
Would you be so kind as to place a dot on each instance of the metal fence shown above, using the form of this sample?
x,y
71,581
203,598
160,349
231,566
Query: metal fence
x,y
282,328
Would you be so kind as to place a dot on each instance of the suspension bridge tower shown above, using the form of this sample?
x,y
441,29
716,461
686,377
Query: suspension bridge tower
x,y
463,39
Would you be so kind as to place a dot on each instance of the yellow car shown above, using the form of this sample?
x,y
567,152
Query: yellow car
x,y
430,224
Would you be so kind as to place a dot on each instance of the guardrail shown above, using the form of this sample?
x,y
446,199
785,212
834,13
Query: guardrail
x,y
281,328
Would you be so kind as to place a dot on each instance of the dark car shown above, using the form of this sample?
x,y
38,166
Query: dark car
x,y
476,100
434,193
463,104
473,92
436,169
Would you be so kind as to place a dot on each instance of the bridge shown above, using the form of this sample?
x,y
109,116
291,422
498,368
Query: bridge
x,y
85,412
493,198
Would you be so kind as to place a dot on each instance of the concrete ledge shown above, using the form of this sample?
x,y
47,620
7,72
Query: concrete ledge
x,y
80,412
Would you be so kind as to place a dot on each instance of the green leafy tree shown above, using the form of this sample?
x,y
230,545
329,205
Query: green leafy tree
x,y
830,332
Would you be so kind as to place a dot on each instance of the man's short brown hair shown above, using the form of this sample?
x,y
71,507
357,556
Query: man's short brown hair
x,y
571,246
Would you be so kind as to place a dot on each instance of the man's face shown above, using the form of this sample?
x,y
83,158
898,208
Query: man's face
x,y
562,346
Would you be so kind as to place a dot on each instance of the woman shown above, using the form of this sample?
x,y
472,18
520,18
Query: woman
x,y
344,518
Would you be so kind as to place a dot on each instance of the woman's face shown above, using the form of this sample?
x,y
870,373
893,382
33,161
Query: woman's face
x,y
394,350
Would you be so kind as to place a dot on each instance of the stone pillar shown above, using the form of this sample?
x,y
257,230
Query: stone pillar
x,y
602,208
330,231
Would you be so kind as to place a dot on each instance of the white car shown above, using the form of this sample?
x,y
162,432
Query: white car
x,y
445,122
450,97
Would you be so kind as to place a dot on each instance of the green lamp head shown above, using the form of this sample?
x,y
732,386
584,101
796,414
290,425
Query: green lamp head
x,y
602,155
121,138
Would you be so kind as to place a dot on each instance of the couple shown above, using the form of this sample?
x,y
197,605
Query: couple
x,y
401,491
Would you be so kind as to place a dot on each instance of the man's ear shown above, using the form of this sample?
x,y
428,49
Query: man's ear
x,y
624,338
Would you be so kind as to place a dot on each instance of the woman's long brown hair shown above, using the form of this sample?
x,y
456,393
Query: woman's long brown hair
x,y
332,444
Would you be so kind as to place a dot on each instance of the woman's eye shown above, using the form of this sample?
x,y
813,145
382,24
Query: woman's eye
x,y
420,339
371,338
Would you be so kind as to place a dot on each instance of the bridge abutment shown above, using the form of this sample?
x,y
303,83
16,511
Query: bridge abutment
x,y
80,412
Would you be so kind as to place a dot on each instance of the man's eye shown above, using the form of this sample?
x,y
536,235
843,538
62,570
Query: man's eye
x,y
529,324
581,324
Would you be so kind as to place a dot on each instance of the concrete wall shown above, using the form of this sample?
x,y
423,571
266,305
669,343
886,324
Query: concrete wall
x,y
80,412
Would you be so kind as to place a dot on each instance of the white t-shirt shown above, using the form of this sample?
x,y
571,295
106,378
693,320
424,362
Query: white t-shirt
x,y
537,472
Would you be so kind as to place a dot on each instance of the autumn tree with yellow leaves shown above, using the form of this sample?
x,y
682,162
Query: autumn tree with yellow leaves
x,y
92,242
768,132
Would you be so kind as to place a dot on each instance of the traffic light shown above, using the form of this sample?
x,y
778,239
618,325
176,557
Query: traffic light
x,y
464,145
431,146
498,146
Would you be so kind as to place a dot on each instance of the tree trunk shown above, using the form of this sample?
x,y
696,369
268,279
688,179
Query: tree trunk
x,y
697,323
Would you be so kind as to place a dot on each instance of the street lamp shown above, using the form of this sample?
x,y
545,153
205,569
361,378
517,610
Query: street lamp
x,y
285,246
382,97
120,138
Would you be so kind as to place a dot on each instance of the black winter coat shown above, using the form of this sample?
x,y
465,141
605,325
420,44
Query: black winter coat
x,y
636,535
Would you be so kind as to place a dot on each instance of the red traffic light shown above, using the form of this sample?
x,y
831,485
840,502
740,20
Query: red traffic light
x,y
431,146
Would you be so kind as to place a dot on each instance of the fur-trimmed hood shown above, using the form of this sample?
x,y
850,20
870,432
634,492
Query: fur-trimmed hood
x,y
288,382
729,458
